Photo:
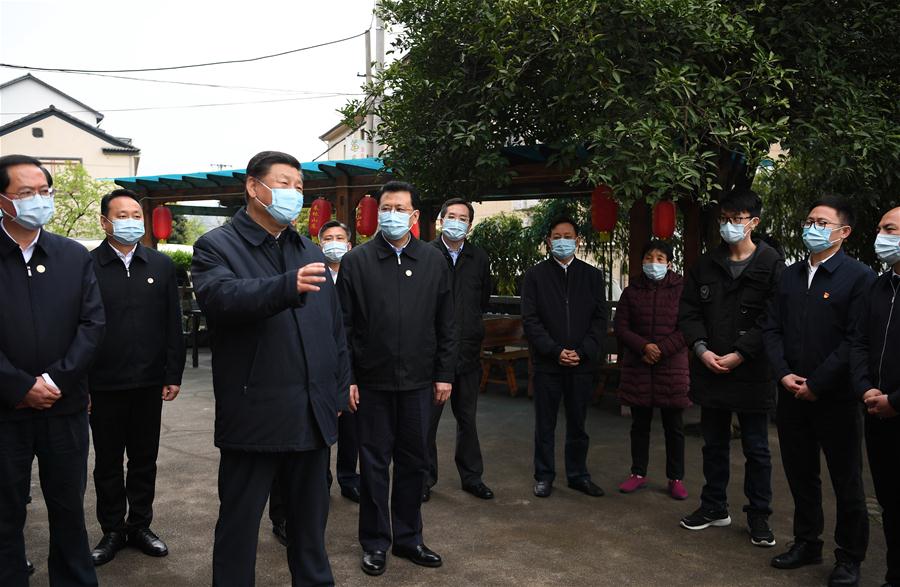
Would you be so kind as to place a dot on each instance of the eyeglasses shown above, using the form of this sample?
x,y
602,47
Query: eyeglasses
x,y
820,223
733,219
29,193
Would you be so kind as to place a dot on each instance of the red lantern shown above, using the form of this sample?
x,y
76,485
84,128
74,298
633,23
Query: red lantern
x,y
319,214
415,229
367,216
604,210
162,223
664,219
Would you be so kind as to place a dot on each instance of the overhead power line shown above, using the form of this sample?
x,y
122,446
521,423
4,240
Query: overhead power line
x,y
190,66
200,84
139,108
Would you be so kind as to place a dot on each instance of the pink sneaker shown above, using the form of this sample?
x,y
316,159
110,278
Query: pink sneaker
x,y
677,490
632,484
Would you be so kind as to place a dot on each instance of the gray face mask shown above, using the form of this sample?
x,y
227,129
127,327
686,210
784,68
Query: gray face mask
x,y
732,233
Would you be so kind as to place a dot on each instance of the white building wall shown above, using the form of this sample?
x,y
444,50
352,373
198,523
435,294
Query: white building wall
x,y
29,96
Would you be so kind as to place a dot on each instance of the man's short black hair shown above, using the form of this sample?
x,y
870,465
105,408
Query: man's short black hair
x,y
8,161
263,161
561,220
658,245
333,224
840,205
742,200
399,186
122,193
455,202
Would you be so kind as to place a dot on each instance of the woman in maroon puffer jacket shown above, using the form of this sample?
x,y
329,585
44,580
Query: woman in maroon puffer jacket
x,y
654,364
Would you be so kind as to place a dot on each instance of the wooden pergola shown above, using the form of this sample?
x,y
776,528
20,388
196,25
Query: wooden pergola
x,y
344,183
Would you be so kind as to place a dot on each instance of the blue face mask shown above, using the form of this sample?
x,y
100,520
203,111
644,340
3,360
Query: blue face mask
x,y
655,271
127,230
732,233
563,248
394,225
334,250
33,212
817,239
887,247
454,229
287,203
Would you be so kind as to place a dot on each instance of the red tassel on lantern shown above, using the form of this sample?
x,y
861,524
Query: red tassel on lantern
x,y
162,223
664,219
367,216
604,210
319,214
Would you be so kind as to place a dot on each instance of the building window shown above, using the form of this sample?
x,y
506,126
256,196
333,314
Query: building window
x,y
37,132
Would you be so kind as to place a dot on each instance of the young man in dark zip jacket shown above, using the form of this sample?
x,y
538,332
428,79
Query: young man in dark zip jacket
x,y
874,353
564,315
721,317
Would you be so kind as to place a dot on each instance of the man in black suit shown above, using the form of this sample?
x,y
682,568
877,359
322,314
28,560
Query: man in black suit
x,y
816,307
138,367
564,315
470,270
280,372
51,323
398,310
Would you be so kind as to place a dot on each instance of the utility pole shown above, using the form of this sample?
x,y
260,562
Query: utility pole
x,y
370,117
379,68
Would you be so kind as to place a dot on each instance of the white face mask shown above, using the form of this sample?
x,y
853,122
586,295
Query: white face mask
x,y
732,233
887,248
334,250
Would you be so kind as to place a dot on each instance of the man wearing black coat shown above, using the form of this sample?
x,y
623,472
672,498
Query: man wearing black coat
x,y
139,365
806,337
471,276
51,323
874,349
721,316
398,311
280,372
564,315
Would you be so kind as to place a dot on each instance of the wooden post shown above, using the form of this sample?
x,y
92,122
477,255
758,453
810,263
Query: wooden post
x,y
343,204
690,211
638,235
427,217
148,240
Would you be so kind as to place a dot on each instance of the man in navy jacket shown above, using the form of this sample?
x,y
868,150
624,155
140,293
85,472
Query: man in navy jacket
x,y
138,366
817,305
280,372
564,316
876,380
51,323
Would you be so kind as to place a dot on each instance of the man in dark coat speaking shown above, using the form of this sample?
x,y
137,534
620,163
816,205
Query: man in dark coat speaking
x,y
398,310
280,372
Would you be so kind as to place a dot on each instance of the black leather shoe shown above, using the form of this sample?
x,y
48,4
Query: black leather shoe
x,y
426,494
279,529
479,490
147,542
30,566
543,488
845,574
351,493
421,555
374,562
587,487
109,545
799,555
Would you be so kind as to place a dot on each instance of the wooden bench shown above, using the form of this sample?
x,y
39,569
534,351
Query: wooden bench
x,y
500,333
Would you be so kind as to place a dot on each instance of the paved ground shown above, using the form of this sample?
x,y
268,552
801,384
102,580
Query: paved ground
x,y
516,539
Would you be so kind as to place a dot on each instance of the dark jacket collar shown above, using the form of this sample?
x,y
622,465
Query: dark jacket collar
x,y
106,254
440,245
46,242
385,249
763,250
832,264
256,234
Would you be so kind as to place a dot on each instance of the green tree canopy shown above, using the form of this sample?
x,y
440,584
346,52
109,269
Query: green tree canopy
x,y
77,203
657,98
